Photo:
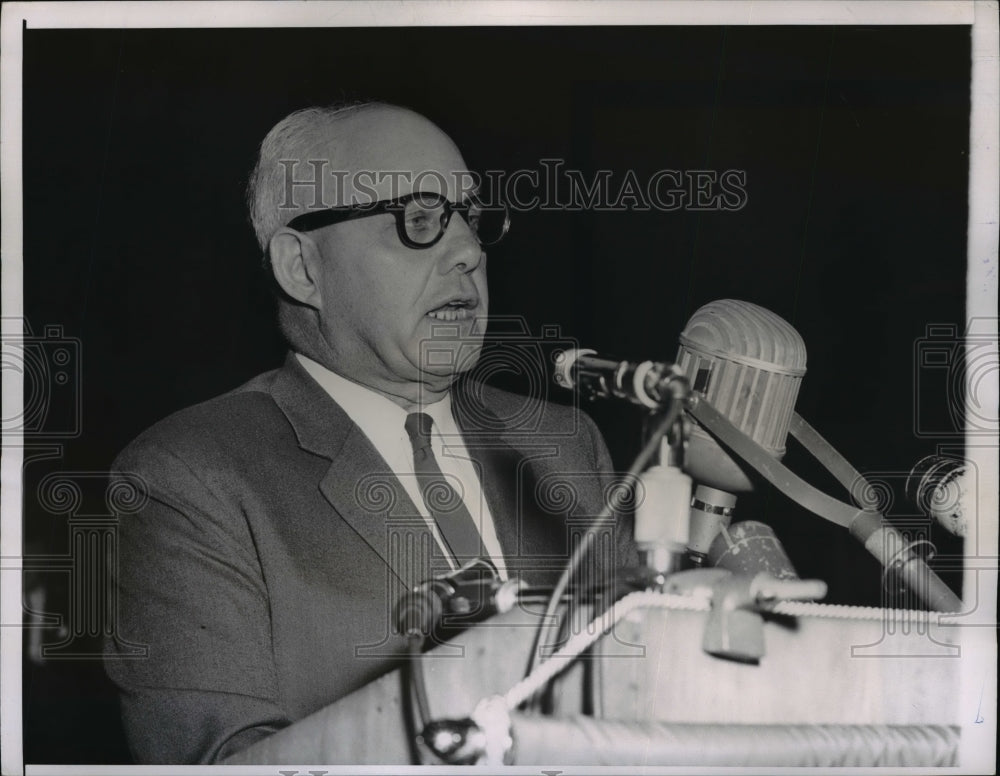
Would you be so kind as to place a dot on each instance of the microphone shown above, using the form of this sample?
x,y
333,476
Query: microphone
x,y
468,595
939,487
748,363
745,365
745,360
750,548
650,384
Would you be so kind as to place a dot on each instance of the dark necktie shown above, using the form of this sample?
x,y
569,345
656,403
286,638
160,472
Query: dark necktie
x,y
442,502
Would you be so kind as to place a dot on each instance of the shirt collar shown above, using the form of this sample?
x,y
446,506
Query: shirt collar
x,y
380,418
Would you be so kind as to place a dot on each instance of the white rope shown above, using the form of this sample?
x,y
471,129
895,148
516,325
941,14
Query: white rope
x,y
840,611
601,624
579,643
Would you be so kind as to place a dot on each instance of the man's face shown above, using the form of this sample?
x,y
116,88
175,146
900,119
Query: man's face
x,y
398,318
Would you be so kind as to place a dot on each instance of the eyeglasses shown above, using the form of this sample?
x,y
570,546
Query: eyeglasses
x,y
421,218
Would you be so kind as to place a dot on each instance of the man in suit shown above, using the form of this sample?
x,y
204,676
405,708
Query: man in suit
x,y
284,519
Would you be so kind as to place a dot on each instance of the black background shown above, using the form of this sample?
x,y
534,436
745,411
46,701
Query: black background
x,y
137,146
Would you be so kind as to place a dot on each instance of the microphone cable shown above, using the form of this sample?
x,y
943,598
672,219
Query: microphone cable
x,y
419,717
415,653
614,503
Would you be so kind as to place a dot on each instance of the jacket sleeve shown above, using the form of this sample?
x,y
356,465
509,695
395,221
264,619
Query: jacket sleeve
x,y
191,651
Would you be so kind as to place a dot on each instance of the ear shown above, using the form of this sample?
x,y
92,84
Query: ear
x,y
295,262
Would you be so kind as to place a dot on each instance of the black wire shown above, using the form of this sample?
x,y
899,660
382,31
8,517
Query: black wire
x,y
413,734
418,694
416,660
615,503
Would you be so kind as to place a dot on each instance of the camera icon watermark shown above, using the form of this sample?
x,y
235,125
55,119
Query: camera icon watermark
x,y
51,369
509,354
961,368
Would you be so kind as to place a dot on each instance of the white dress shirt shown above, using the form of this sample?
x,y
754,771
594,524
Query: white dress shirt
x,y
382,421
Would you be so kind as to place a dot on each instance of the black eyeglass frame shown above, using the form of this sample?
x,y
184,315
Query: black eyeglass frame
x,y
317,219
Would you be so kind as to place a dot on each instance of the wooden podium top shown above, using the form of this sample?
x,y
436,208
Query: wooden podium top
x,y
829,665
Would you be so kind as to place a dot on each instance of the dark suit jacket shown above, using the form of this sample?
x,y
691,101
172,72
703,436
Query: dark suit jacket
x,y
262,571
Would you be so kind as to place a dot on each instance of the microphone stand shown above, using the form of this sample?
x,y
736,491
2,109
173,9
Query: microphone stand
x,y
869,526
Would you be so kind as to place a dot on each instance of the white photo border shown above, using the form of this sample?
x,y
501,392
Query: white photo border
x,y
979,644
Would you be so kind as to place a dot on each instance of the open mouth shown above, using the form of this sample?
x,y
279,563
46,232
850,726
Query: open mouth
x,y
458,310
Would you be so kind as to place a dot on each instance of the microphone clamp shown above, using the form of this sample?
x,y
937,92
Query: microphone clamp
x,y
650,384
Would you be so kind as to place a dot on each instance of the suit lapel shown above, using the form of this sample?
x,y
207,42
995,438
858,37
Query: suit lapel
x,y
359,484
361,488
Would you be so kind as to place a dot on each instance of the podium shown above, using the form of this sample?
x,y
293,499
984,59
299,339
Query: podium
x,y
835,686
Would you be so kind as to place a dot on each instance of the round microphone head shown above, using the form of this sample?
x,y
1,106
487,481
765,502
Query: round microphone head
x,y
939,486
748,363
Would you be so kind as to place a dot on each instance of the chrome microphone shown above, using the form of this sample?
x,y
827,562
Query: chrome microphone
x,y
748,363
650,384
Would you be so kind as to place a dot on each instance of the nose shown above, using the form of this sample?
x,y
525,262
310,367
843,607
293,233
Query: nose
x,y
461,246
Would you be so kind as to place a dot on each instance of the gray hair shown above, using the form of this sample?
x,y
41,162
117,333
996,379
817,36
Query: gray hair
x,y
289,139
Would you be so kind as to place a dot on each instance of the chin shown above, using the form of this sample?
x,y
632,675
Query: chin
x,y
448,358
